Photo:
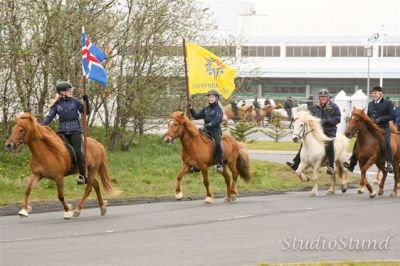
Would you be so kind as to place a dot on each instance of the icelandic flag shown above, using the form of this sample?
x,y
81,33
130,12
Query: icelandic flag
x,y
92,59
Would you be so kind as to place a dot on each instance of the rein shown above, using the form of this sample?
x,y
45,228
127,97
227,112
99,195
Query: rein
x,y
303,132
175,134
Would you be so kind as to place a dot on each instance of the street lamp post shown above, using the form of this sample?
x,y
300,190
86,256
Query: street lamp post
x,y
369,55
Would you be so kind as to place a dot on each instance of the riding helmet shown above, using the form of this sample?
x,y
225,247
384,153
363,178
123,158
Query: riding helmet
x,y
213,92
323,92
62,85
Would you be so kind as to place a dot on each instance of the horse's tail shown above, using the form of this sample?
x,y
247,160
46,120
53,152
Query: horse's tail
x,y
243,163
105,176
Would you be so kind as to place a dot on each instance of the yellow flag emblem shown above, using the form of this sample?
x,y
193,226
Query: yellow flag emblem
x,y
206,71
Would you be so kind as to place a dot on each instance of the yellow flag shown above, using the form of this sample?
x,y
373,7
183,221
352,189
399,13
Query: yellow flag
x,y
207,71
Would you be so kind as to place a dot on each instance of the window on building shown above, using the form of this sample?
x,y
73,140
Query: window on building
x,y
261,51
305,51
349,51
390,51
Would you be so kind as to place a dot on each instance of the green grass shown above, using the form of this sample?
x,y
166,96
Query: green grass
x,y
283,145
149,168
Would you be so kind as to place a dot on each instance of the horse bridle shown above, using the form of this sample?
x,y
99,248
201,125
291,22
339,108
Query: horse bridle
x,y
302,132
175,135
20,141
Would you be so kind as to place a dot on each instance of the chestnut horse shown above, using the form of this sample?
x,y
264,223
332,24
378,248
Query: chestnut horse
x,y
198,151
369,149
265,111
51,159
243,112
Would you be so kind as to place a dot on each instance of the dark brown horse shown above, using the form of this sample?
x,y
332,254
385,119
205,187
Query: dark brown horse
x,y
369,149
197,151
51,159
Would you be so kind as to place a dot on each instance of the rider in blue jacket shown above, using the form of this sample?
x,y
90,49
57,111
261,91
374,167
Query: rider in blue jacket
x,y
68,108
329,113
212,115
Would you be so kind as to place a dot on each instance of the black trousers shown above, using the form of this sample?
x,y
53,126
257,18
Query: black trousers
x,y
216,135
75,140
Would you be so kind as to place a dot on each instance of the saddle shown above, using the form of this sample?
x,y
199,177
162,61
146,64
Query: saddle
x,y
206,138
72,155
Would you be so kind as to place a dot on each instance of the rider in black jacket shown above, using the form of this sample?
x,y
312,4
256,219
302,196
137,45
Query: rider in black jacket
x,y
381,111
212,115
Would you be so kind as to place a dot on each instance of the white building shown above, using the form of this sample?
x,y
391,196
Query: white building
x,y
299,47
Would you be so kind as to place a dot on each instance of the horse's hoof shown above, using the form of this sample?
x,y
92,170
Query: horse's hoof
x,y
360,191
208,200
227,199
372,195
179,196
23,213
76,214
344,189
68,214
312,194
233,197
380,193
330,192
103,211
29,208
393,194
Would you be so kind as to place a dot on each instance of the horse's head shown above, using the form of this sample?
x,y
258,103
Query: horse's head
x,y
353,125
20,133
303,124
175,127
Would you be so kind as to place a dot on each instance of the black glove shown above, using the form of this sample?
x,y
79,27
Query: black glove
x,y
189,105
207,126
85,98
378,120
324,121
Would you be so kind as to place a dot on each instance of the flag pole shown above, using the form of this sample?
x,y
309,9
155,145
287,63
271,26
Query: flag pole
x,y
186,77
84,122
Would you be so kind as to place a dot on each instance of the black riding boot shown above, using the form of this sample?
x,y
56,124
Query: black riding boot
x,y
218,150
353,159
389,154
330,149
296,160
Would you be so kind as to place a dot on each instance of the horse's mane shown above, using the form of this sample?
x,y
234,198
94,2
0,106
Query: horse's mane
x,y
43,133
187,123
267,107
375,130
314,123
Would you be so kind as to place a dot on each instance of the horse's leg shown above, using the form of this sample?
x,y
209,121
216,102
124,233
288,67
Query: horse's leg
x,y
314,191
86,193
396,180
178,190
102,203
332,189
60,191
343,176
381,168
299,172
364,180
228,184
26,209
235,175
376,177
209,197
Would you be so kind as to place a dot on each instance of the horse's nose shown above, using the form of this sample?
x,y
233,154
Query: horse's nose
x,y
8,146
347,134
295,139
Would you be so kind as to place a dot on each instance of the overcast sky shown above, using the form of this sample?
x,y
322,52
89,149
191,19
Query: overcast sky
x,y
308,17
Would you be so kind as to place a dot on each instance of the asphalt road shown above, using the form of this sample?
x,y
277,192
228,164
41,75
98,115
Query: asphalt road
x,y
289,227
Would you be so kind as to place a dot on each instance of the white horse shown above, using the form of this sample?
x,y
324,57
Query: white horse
x,y
308,129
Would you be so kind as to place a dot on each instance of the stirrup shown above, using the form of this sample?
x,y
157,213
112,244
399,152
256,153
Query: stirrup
x,y
389,168
81,180
291,165
219,168
348,166
329,170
